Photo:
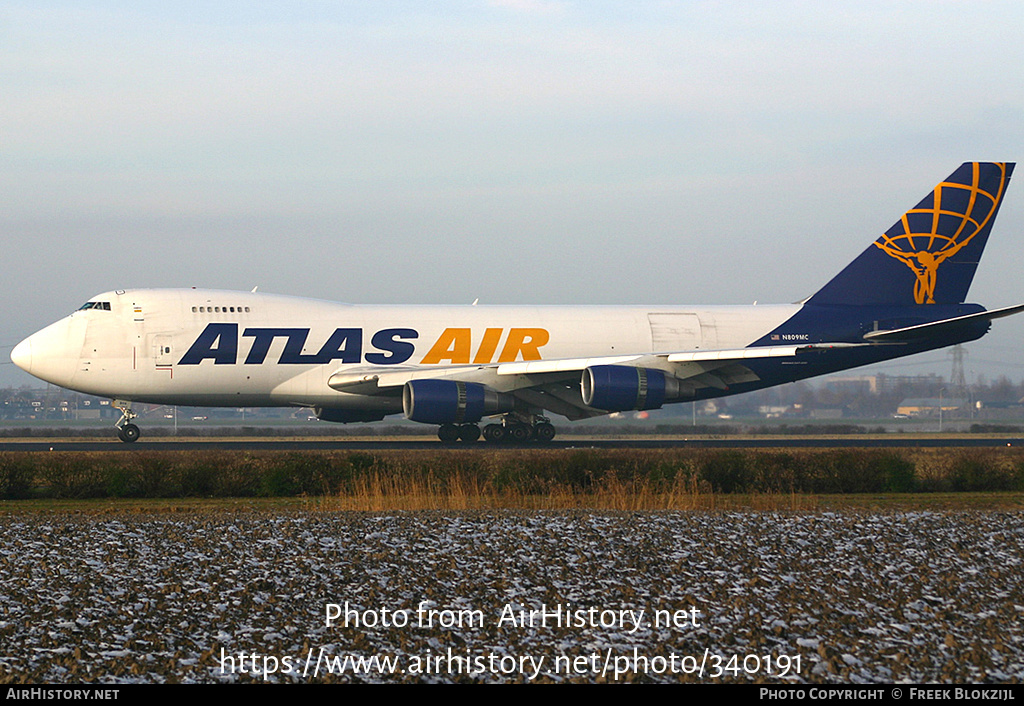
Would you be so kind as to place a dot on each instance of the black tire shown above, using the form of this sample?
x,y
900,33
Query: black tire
x,y
544,432
519,433
494,433
129,433
448,433
469,432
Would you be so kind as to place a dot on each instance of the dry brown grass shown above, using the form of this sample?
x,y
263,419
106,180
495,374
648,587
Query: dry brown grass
x,y
384,493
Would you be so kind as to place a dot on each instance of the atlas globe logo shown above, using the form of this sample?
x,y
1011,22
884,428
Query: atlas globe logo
x,y
942,225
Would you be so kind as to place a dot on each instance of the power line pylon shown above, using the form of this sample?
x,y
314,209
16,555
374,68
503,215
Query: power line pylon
x,y
956,378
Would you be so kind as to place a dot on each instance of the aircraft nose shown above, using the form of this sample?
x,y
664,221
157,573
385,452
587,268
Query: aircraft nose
x,y
22,355
53,353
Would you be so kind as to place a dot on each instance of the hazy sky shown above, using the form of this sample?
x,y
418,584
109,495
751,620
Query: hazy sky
x,y
511,150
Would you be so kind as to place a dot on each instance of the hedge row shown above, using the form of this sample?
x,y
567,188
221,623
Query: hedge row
x,y
170,474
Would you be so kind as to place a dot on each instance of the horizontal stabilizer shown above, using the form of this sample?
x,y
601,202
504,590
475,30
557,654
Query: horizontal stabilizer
x,y
755,352
911,333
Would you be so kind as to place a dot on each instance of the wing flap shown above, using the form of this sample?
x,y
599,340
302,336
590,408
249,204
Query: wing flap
x,y
535,367
363,380
507,377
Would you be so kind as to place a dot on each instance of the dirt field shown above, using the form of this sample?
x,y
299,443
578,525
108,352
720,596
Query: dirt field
x,y
819,596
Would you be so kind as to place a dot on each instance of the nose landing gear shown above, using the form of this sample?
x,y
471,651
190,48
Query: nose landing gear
x,y
126,431
129,433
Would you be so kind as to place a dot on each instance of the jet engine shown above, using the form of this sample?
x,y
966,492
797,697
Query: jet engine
x,y
452,401
618,388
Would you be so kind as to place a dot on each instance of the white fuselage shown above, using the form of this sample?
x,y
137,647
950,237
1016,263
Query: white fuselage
x,y
224,348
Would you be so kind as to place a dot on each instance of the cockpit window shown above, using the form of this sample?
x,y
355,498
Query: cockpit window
x,y
105,306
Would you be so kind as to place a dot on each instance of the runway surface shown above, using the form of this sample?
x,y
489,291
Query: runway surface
x,y
421,444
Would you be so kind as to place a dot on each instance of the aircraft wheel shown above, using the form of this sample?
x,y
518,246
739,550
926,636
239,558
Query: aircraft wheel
x,y
519,433
469,432
448,433
544,432
129,433
494,433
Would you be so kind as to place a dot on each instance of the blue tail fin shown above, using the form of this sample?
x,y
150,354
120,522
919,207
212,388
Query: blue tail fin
x,y
929,256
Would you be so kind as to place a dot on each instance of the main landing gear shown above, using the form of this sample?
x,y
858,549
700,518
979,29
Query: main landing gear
x,y
518,430
126,431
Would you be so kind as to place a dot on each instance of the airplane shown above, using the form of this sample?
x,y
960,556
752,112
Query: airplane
x,y
454,366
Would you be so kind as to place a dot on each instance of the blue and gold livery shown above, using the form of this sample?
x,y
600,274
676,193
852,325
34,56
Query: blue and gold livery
x,y
453,366
930,254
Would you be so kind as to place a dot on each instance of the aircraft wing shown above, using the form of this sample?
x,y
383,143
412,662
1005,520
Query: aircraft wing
x,y
555,384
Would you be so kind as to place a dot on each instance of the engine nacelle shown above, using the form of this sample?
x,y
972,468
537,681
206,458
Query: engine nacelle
x,y
618,388
452,401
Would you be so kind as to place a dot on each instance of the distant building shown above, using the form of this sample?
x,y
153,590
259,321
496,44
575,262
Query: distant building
x,y
929,406
881,383
857,385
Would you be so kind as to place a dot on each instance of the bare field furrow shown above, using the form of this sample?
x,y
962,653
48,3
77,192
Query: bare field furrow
x,y
857,596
